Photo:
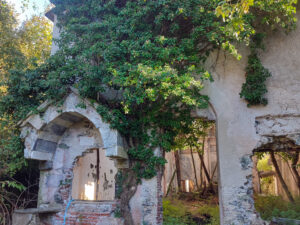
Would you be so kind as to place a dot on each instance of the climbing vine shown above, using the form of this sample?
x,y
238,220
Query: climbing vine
x,y
254,89
144,62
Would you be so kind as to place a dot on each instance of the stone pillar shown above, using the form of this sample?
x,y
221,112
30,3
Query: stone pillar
x,y
146,204
235,178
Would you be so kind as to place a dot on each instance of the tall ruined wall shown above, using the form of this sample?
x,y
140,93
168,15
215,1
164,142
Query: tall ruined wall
x,y
237,125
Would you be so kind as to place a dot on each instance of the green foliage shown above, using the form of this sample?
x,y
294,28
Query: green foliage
x,y
168,220
275,206
194,138
254,89
290,214
22,47
263,163
117,213
177,213
35,37
10,55
151,53
119,181
213,211
267,183
172,210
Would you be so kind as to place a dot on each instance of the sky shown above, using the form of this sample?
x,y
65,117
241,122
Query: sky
x,y
34,7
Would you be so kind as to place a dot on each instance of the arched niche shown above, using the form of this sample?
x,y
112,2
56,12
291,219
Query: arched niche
x,y
62,138
42,132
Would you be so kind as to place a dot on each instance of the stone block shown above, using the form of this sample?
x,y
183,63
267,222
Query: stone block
x,y
36,155
42,145
25,219
116,152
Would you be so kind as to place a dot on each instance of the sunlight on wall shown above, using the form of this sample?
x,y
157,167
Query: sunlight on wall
x,y
89,191
187,185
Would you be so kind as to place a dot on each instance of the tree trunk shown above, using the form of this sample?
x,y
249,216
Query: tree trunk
x,y
201,175
294,168
170,184
129,187
194,168
178,170
213,173
279,175
204,167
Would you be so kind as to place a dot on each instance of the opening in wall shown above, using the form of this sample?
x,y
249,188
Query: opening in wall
x,y
276,180
94,177
190,181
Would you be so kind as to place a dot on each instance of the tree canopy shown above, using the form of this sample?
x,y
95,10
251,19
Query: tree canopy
x,y
22,47
153,54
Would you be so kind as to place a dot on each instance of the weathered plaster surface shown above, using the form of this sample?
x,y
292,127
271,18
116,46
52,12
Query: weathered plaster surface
x,y
236,131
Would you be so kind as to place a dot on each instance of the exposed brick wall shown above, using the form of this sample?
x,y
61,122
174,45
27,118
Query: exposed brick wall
x,y
81,212
89,213
86,213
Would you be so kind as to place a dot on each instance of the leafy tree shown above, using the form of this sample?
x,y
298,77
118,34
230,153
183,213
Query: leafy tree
x,y
36,39
10,55
22,47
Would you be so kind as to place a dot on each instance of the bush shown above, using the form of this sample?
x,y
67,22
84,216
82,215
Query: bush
x,y
176,213
173,210
212,211
275,206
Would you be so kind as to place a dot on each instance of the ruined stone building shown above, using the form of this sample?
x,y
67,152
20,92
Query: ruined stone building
x,y
80,155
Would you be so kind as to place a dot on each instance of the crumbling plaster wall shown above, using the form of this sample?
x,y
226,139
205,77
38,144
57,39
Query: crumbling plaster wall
x,y
236,132
77,140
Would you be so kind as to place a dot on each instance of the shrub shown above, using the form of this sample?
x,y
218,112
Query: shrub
x,y
275,206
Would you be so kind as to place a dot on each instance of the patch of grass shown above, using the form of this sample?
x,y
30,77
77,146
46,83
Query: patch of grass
x,y
179,212
168,220
175,213
175,210
212,211
275,206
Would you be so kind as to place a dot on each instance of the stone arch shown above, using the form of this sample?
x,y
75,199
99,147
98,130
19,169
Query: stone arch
x,y
58,137
42,132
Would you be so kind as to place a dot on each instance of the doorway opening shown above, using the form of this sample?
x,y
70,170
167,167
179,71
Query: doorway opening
x,y
94,177
190,181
